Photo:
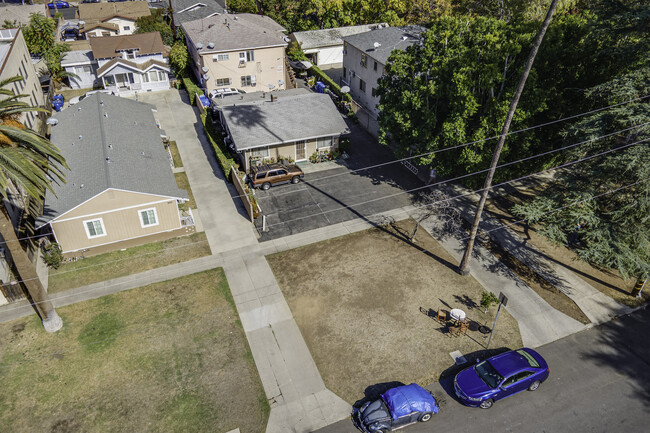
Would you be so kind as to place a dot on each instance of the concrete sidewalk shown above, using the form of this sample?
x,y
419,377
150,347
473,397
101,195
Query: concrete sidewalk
x,y
597,306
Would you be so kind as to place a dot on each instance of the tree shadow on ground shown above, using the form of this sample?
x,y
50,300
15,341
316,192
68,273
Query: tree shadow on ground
x,y
373,392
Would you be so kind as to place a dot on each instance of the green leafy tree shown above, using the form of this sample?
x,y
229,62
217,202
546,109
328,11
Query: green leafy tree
x,y
156,23
178,57
39,34
29,163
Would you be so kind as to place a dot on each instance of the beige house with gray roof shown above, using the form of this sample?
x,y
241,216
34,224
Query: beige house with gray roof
x,y
120,189
241,51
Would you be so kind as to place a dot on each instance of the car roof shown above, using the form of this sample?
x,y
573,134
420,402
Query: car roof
x,y
512,362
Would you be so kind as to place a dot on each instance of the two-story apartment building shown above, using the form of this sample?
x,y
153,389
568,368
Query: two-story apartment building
x,y
111,19
123,64
365,56
243,51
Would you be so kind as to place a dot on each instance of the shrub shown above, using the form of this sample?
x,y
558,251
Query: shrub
x,y
192,88
487,299
335,88
226,163
344,144
52,255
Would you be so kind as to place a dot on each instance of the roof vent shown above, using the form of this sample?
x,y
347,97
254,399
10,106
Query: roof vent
x,y
211,45
81,186
108,159
81,137
101,102
235,18
110,146
135,123
142,153
106,115
78,108
199,46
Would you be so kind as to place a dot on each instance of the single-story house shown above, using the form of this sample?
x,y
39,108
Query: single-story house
x,y
122,64
292,123
120,189
325,47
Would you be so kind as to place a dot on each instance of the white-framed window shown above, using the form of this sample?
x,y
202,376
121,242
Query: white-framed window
x,y
247,56
324,143
148,217
130,54
95,228
261,151
162,75
248,80
222,82
221,57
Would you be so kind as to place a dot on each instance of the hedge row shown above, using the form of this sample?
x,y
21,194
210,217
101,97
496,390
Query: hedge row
x,y
192,88
334,87
227,164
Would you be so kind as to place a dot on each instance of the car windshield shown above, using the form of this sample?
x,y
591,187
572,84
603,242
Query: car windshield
x,y
488,374
531,361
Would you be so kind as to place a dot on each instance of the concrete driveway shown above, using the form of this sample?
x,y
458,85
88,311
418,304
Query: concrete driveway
x,y
347,191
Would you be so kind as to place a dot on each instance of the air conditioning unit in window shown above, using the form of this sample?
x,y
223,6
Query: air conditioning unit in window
x,y
242,63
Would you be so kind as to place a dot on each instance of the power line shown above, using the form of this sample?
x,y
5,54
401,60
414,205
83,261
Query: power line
x,y
447,181
500,166
370,167
426,204
565,206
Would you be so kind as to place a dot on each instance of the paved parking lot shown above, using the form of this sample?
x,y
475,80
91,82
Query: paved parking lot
x,y
339,194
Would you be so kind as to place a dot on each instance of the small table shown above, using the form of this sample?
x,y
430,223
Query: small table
x,y
457,314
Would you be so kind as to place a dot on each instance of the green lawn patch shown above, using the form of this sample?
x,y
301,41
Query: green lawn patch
x,y
130,261
184,183
176,157
168,357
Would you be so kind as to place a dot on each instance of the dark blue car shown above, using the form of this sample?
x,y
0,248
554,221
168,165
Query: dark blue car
x,y
500,376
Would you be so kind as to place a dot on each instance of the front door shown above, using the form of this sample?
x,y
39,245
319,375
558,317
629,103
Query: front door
x,y
301,150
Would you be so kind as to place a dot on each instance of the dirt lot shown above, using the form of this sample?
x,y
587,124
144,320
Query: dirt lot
x,y
607,281
160,358
361,302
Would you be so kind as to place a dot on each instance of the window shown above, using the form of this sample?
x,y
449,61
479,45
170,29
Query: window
x,y
345,73
373,91
246,56
362,85
345,47
109,80
94,228
262,151
375,67
130,54
324,142
148,217
127,28
220,57
364,60
153,76
222,82
162,76
248,80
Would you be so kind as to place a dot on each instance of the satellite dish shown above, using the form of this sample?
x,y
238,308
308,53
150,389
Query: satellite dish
x,y
376,45
205,69
211,45
345,89
199,46
271,86
206,77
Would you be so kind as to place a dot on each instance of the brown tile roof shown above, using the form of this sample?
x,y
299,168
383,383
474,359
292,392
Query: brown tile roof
x,y
90,12
110,46
141,66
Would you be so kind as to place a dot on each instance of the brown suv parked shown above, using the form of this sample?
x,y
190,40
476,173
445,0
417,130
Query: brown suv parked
x,y
263,176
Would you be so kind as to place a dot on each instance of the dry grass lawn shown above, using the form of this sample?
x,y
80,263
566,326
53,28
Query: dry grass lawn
x,y
357,300
169,357
126,262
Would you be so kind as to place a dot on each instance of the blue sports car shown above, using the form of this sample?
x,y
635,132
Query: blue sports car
x,y
58,4
500,376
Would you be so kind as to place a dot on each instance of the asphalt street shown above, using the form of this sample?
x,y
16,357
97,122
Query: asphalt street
x,y
599,382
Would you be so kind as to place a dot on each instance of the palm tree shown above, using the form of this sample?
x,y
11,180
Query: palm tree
x,y
29,163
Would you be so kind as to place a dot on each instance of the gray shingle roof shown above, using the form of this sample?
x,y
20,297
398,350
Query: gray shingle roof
x,y
184,11
130,129
292,116
77,57
390,39
330,37
235,32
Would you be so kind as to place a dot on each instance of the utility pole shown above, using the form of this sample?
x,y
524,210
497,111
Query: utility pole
x,y
464,264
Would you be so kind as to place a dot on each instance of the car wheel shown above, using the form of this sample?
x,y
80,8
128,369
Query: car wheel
x,y
533,386
486,404
425,417
295,179
266,186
